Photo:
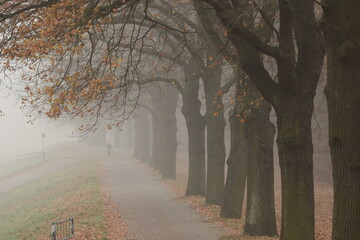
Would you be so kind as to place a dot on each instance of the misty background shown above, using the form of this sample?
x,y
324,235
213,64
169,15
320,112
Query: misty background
x,y
18,136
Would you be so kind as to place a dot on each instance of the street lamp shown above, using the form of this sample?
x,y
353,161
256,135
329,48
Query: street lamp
x,y
43,137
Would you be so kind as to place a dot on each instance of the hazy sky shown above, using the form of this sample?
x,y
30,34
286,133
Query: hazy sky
x,y
17,136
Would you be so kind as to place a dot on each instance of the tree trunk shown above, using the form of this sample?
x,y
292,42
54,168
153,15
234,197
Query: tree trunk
x,y
237,163
295,156
145,153
342,35
292,97
293,102
156,133
343,96
167,110
195,123
215,124
260,207
155,143
130,134
138,138
142,137
251,157
164,103
169,150
196,175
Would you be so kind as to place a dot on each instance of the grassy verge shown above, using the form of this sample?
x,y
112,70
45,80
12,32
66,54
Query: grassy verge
x,y
28,211
10,168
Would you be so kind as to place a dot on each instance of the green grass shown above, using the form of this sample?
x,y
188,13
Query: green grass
x,y
28,211
9,168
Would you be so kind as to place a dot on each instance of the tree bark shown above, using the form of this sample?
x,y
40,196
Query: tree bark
x,y
195,123
237,163
155,143
164,102
291,96
260,208
196,175
142,136
137,138
167,110
342,36
295,156
145,153
156,130
215,124
130,134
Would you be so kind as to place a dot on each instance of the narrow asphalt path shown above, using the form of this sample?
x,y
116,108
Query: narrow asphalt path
x,y
149,209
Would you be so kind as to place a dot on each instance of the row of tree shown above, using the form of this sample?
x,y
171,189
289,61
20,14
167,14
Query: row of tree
x,y
96,59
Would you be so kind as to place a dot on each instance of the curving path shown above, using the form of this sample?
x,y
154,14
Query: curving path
x,y
149,209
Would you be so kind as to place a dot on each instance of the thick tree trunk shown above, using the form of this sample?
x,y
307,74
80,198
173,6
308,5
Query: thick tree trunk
x,y
169,150
167,110
137,138
164,148
142,137
195,123
237,164
251,157
343,96
292,96
215,124
145,153
155,143
295,156
342,34
260,213
130,134
196,138
293,101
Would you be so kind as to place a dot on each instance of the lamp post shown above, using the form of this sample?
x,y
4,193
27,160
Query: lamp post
x,y
43,137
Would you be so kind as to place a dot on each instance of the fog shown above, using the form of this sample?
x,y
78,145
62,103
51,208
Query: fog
x,y
180,120
18,136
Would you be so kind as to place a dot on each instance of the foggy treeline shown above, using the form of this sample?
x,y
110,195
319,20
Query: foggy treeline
x,y
240,83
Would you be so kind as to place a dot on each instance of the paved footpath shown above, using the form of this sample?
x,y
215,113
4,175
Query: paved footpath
x,y
149,209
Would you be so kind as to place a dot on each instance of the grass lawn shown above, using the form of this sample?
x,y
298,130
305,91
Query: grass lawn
x,y
9,168
28,211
